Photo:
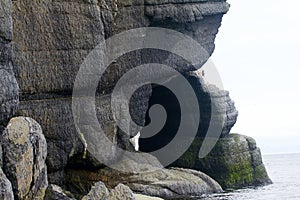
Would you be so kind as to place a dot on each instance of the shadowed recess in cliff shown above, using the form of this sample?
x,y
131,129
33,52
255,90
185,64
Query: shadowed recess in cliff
x,y
207,95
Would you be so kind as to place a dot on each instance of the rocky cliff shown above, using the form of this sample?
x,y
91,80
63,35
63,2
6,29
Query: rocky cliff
x,y
48,54
43,44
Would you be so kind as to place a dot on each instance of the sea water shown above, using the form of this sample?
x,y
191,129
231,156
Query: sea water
x,y
283,169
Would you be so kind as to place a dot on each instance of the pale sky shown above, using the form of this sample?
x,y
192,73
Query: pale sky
x,y
258,57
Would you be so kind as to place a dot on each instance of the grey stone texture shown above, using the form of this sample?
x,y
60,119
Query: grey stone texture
x,y
6,192
49,52
9,94
24,154
147,177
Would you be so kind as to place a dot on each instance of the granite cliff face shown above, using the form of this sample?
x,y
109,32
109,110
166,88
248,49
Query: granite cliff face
x,y
48,54
42,46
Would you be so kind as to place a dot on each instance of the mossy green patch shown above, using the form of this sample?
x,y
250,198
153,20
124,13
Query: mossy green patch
x,y
233,162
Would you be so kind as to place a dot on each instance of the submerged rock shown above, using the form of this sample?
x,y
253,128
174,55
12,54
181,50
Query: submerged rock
x,y
24,154
235,162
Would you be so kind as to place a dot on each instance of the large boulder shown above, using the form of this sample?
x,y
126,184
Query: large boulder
x,y
146,176
6,192
173,183
24,154
234,162
164,183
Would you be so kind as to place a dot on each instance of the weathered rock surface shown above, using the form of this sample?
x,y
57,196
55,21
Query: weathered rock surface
x,y
63,141
51,40
48,54
150,180
234,162
24,154
5,21
1,156
98,191
6,192
121,192
54,192
173,183
210,96
9,94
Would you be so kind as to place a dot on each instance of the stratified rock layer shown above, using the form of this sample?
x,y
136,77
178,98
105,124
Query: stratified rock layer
x,y
49,52
24,154
211,97
234,162
51,40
